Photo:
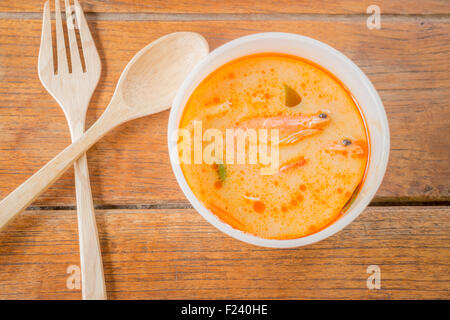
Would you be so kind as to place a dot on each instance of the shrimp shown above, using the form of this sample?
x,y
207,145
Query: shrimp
x,y
293,128
294,163
358,149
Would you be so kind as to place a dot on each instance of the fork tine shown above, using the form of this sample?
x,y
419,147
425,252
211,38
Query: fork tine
x,y
91,57
61,55
45,60
74,54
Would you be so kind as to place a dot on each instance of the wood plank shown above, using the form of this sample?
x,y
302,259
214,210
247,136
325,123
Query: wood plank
x,y
176,254
238,6
407,62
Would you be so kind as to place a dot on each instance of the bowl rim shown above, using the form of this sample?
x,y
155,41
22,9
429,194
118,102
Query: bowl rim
x,y
350,215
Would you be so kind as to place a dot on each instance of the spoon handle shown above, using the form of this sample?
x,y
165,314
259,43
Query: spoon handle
x,y
24,195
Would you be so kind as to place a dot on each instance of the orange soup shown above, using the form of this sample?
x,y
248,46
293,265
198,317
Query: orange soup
x,y
321,142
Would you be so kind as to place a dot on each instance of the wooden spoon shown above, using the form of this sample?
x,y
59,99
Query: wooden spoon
x,y
147,86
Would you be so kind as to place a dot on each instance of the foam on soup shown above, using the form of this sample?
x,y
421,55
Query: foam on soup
x,y
322,145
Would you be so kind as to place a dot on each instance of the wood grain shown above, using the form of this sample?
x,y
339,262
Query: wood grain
x,y
176,254
173,253
239,6
407,62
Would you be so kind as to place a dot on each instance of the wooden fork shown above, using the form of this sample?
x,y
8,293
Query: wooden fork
x,y
72,89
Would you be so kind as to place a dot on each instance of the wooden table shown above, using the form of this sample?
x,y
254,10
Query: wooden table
x,y
154,245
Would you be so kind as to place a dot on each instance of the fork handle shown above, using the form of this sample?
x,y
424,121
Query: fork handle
x,y
92,278
24,195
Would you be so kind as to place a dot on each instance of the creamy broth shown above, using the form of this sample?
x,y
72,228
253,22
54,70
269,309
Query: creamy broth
x,y
323,146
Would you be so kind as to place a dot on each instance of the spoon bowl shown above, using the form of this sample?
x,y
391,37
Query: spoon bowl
x,y
150,80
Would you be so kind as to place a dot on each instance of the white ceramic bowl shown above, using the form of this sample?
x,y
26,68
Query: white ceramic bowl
x,y
333,61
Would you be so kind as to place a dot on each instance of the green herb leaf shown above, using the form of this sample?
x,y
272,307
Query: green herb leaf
x,y
222,171
292,98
